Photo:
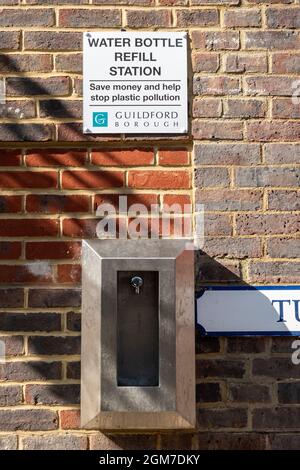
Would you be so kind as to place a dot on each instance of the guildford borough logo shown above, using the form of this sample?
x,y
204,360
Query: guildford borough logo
x,y
100,119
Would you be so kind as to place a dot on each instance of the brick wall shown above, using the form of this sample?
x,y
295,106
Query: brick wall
x,y
244,150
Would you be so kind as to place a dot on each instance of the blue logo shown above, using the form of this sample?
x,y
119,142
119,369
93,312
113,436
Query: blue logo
x,y
100,119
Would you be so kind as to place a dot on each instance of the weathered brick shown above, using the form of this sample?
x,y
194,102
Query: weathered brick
x,y
10,250
20,109
11,298
195,17
284,200
276,271
222,271
122,442
227,154
130,157
217,224
20,86
57,204
222,418
245,62
231,441
74,321
51,41
10,40
271,40
204,62
231,247
61,109
221,368
28,420
249,393
29,17
284,108
57,442
276,131
10,396
284,441
25,63
73,370
276,367
30,321
51,298
182,441
229,199
68,63
84,18
212,177
283,17
9,442
242,18
215,2
245,345
14,345
208,392
289,392
282,153
256,224
149,18
286,62
62,394
245,108
216,85
269,86
49,345
25,132
283,247
282,344
207,107
206,345
267,176
82,179
28,371
276,418
215,130
215,40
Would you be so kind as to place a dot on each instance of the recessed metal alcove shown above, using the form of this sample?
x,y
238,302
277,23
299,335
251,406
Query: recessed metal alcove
x,y
138,350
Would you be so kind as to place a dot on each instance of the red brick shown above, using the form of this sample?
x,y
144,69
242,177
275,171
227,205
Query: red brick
x,y
20,86
246,62
47,158
37,17
148,19
196,17
51,41
92,179
57,203
28,179
216,85
82,228
159,179
215,40
28,273
173,157
273,131
10,157
284,108
69,273
207,107
215,130
271,40
29,228
122,157
70,419
53,250
84,18
178,199
26,63
10,250
10,204
283,18
113,199
286,62
242,18
264,224
205,62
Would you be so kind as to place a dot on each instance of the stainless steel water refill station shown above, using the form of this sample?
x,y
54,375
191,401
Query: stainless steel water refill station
x,y
138,336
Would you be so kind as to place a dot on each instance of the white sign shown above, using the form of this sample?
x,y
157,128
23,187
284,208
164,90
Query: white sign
x,y
135,83
238,311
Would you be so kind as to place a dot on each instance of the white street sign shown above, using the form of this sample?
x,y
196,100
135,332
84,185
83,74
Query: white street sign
x,y
135,83
270,310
